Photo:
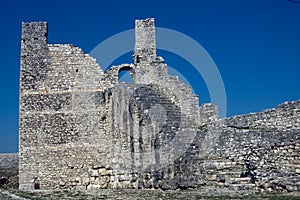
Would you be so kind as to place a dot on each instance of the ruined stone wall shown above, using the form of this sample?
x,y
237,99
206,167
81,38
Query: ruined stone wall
x,y
144,123
258,155
62,112
240,159
151,69
285,117
80,129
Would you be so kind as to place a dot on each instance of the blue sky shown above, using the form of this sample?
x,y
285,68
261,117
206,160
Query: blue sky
x,y
255,45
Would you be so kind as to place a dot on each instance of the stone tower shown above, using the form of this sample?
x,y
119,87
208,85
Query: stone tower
x,y
148,67
145,42
33,72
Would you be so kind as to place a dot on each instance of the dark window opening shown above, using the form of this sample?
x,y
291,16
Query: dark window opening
x,y
36,186
137,59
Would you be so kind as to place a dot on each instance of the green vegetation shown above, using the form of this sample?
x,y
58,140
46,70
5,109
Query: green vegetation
x,y
8,172
9,178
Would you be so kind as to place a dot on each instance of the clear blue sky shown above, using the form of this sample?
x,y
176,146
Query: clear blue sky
x,y
255,44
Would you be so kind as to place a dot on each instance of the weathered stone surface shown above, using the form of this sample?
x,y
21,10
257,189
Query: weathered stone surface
x,y
79,128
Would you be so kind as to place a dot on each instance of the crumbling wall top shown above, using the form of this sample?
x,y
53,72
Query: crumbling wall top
x,y
35,31
145,42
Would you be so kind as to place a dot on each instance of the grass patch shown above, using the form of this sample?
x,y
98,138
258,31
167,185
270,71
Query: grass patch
x,y
9,172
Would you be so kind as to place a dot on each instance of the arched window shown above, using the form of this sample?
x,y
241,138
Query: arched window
x,y
126,74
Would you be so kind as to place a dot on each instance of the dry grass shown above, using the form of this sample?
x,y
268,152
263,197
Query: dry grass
x,y
143,194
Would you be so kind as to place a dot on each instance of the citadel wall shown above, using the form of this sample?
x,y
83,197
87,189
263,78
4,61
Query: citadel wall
x,y
80,129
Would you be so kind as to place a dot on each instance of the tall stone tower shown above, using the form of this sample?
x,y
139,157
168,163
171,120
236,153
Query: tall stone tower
x,y
145,42
148,67
33,72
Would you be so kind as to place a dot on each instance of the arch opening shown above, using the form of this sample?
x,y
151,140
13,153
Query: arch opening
x,y
126,74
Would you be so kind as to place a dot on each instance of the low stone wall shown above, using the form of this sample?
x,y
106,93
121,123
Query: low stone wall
x,y
259,151
263,160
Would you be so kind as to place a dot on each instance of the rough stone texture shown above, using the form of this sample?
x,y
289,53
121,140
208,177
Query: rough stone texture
x,y
285,117
80,129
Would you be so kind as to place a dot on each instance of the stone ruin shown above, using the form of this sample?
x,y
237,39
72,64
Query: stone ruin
x,y
79,128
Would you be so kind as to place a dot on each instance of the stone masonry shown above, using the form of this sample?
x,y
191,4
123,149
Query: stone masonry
x,y
79,128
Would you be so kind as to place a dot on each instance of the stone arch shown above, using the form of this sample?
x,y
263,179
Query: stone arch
x,y
129,68
112,74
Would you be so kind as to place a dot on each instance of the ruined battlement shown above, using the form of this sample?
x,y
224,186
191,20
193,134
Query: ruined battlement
x,y
79,128
285,117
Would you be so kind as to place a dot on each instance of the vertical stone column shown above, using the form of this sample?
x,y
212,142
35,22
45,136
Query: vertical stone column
x,y
34,65
34,55
145,43
148,68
